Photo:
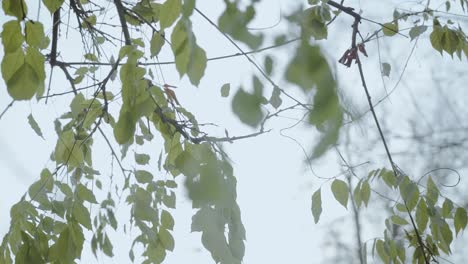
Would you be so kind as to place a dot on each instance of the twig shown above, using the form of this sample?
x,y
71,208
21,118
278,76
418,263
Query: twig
x,y
53,52
6,108
123,22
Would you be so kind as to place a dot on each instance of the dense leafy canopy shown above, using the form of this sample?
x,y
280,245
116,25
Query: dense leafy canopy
x,y
45,229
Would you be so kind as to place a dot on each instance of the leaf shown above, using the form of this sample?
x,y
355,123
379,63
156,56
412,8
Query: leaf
x,y
357,194
23,84
166,239
32,122
17,8
268,65
275,99
416,31
157,42
317,205
107,247
390,29
12,38
386,68
197,65
169,12
53,5
166,220
399,220
35,35
247,107
143,176
460,219
91,57
422,216
447,207
234,22
365,192
225,89
142,159
125,127
85,194
341,192
381,251
81,214
432,192
436,38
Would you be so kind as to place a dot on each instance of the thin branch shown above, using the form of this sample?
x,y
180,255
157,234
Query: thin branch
x,y
6,108
123,22
357,19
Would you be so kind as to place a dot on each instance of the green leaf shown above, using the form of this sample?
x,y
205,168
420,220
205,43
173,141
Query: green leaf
x,y
125,127
143,176
436,38
460,219
247,107
234,22
166,220
81,214
166,239
450,41
17,8
189,57
32,122
91,57
85,194
35,35
157,42
357,194
432,192
275,99
107,247
365,192
386,68
24,83
53,5
390,29
268,65
399,220
12,38
142,159
187,164
416,31
341,192
197,65
447,207
422,216
225,89
67,150
380,246
409,192
169,12
317,205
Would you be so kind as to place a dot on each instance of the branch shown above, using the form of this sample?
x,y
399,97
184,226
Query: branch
x,y
357,19
6,108
123,22
55,31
